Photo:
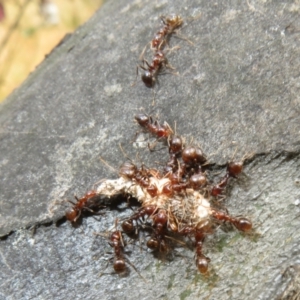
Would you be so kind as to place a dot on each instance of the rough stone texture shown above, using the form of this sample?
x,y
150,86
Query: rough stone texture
x,y
238,90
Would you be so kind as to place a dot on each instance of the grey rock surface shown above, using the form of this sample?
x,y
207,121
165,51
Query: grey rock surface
x,y
237,93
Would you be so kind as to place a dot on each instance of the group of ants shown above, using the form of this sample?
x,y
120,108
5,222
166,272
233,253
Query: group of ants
x,y
187,168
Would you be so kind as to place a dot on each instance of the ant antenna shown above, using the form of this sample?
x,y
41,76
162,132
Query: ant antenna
x,y
234,153
108,165
124,153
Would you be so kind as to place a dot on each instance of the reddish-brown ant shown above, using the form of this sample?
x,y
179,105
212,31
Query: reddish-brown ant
x,y
159,60
157,240
140,175
171,23
159,220
128,225
161,131
233,170
86,203
151,71
116,241
242,224
201,260
175,148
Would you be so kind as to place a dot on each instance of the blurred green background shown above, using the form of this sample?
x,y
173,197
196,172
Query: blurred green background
x,y
30,29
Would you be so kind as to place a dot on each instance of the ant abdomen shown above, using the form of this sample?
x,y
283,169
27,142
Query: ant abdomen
x,y
243,224
202,263
148,79
193,156
128,226
152,243
71,214
119,265
197,181
234,168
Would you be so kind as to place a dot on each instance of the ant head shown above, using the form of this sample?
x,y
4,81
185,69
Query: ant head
x,y
128,170
175,144
174,21
148,79
142,119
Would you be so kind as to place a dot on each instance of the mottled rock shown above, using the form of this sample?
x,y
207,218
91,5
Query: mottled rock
x,y
237,93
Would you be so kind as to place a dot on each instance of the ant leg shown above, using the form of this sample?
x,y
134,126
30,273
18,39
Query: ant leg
x,y
148,65
71,202
165,72
167,65
77,217
172,49
93,211
137,73
182,37
141,57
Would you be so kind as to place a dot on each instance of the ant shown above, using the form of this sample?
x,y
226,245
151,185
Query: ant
x,y
242,224
157,240
116,242
159,219
191,156
140,175
128,226
152,70
177,185
233,170
159,60
146,122
86,203
171,23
